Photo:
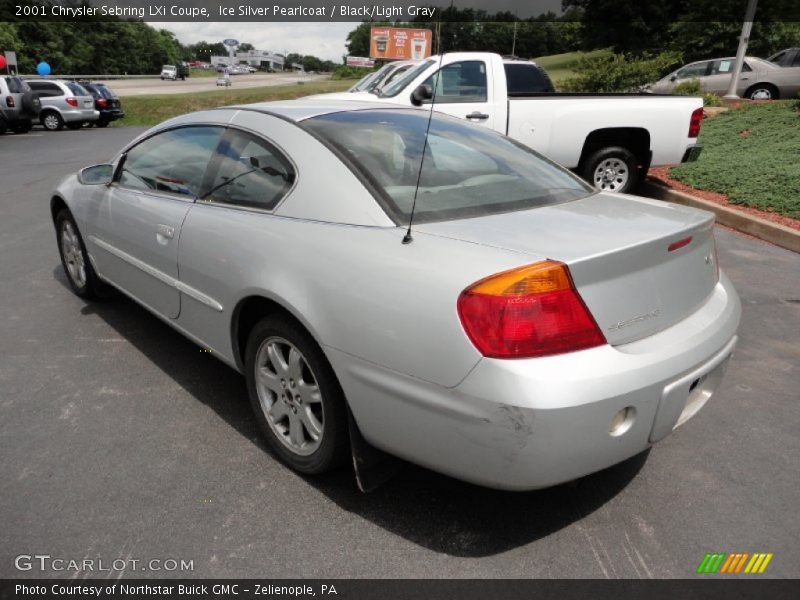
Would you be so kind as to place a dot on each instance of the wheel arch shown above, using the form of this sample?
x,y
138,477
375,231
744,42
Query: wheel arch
x,y
248,311
57,204
635,139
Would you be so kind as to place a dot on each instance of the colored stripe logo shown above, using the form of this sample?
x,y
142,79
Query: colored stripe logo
x,y
734,563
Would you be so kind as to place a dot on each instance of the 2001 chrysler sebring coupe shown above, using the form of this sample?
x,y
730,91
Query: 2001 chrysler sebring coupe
x,y
534,331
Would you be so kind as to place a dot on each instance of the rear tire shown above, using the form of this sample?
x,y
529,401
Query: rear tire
x,y
101,123
75,260
612,169
24,127
52,121
295,396
3,126
762,91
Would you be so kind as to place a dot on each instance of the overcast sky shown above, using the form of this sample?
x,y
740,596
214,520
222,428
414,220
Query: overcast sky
x,y
325,40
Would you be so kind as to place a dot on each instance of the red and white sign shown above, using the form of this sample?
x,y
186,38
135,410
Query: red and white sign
x,y
393,43
360,61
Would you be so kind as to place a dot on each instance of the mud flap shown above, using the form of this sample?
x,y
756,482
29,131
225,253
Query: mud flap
x,y
372,467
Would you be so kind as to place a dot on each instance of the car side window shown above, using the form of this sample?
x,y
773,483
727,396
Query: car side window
x,y
460,82
46,89
698,70
174,161
250,172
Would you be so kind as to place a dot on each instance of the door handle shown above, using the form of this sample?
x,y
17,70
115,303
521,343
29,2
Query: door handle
x,y
477,116
165,231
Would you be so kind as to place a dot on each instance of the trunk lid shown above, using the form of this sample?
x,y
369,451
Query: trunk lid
x,y
617,249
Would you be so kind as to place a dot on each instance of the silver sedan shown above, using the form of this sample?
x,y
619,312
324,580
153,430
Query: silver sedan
x,y
759,80
528,331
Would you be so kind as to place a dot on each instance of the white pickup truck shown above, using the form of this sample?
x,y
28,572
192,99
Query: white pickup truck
x,y
609,139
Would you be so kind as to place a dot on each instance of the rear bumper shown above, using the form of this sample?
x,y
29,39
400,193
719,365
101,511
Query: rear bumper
x,y
80,114
111,115
527,424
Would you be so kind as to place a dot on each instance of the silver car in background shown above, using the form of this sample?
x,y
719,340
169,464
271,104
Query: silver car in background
x,y
64,103
529,331
759,80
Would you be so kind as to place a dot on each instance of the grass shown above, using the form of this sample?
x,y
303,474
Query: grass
x,y
750,154
151,110
562,66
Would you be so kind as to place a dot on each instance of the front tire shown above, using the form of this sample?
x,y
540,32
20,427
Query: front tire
x,y
52,121
79,271
612,169
295,396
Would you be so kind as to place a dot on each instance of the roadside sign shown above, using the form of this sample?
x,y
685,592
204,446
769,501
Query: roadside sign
x,y
360,61
230,42
11,62
394,43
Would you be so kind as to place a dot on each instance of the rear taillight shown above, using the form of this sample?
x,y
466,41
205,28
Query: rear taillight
x,y
10,101
528,312
102,102
694,123
72,101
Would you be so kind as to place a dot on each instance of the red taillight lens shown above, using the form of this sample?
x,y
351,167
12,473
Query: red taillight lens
x,y
694,123
10,101
72,101
528,312
102,102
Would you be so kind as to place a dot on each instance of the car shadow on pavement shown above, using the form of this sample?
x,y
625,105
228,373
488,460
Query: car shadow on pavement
x,y
432,510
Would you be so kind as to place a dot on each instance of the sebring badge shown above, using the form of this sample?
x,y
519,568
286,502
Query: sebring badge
x,y
639,319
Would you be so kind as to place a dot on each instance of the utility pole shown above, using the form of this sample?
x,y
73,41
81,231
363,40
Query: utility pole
x,y
514,41
744,39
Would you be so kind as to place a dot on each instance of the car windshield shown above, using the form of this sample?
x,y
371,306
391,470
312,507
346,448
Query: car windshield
x,y
400,83
468,170
365,81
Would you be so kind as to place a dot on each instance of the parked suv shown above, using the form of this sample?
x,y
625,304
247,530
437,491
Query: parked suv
x,y
64,103
106,102
19,105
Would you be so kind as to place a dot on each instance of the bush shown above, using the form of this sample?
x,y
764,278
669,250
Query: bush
x,y
345,72
688,88
711,100
620,72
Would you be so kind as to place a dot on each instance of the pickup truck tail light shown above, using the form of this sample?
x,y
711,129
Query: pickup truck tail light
x,y
694,123
10,101
528,312
72,101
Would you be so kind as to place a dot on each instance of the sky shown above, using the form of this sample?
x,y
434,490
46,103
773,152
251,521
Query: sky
x,y
324,40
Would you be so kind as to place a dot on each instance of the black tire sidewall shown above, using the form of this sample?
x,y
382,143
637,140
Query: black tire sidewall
x,y
89,289
613,152
334,448
772,91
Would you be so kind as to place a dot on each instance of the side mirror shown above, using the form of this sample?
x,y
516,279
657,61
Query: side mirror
x,y
673,78
422,93
96,175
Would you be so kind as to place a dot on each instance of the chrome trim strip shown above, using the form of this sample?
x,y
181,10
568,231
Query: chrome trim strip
x,y
160,275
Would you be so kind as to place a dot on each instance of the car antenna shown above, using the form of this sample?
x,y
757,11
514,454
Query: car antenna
x,y
407,239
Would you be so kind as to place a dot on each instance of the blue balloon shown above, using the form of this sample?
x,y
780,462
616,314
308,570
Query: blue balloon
x,y
43,69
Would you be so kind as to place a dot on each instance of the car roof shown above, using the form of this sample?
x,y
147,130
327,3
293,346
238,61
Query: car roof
x,y
300,110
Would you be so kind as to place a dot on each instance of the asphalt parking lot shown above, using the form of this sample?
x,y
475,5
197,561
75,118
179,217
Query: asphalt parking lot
x,y
119,439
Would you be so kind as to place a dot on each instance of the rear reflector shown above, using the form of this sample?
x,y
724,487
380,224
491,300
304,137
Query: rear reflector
x,y
679,244
528,312
694,123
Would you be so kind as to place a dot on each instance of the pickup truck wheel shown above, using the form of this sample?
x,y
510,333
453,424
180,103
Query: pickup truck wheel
x,y
52,121
612,169
296,397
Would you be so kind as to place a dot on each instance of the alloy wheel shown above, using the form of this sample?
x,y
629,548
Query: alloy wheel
x,y
289,396
73,255
611,175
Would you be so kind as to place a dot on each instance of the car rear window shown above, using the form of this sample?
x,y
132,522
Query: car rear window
x,y
526,79
468,170
77,89
16,85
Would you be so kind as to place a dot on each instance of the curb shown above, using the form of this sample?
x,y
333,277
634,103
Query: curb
x,y
775,233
